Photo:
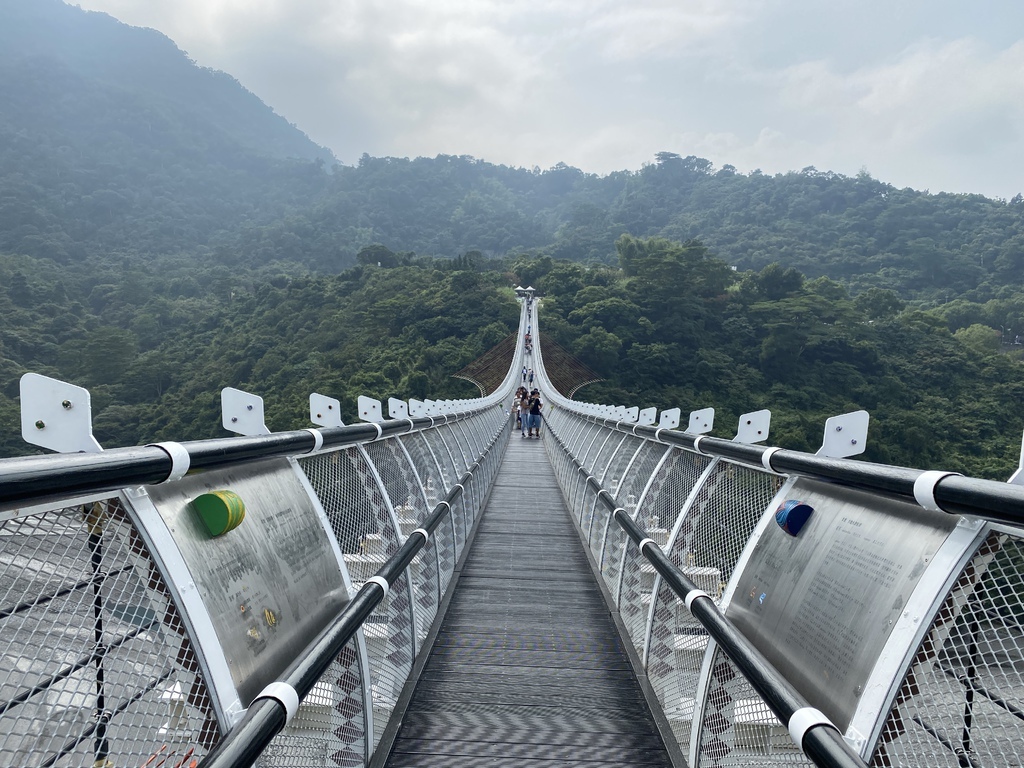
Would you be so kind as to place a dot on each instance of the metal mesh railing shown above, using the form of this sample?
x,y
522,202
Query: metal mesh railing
x,y
705,546
961,699
738,729
702,511
962,702
167,616
389,645
99,667
329,728
95,664
639,474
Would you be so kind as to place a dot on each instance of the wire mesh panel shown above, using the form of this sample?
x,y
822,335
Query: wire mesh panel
x,y
427,589
444,535
593,516
639,474
565,467
450,472
427,468
473,497
738,729
472,430
329,728
724,516
611,479
459,518
455,443
962,702
575,427
389,644
466,450
94,662
410,509
582,439
634,602
444,542
577,486
624,452
585,507
567,473
677,642
590,446
400,483
356,509
662,500
486,427
602,450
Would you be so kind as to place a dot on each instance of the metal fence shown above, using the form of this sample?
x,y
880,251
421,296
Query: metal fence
x,y
904,623
131,635
151,597
114,654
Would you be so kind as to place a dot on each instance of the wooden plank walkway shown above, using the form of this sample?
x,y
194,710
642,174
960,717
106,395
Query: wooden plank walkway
x,y
527,669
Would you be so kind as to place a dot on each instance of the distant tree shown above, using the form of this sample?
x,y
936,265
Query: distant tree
x,y
979,338
878,303
377,255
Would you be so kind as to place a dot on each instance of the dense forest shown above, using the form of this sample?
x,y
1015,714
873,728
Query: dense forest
x,y
164,234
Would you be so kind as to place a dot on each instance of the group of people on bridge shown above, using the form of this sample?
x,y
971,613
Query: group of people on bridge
x,y
527,407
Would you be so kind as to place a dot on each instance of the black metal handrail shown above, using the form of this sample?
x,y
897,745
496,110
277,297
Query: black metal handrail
x,y
266,716
821,742
52,476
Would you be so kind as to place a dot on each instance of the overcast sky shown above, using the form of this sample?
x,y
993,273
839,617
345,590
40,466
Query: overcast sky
x,y
921,93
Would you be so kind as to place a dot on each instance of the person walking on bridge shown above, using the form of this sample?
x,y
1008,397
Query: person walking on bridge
x,y
524,410
517,407
535,404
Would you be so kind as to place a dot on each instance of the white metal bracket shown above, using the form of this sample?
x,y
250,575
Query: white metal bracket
x,y
845,435
417,408
325,411
397,409
631,414
753,427
1017,478
670,419
242,412
370,409
647,417
56,415
702,421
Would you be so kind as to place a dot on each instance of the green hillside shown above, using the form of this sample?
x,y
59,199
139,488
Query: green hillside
x,y
164,234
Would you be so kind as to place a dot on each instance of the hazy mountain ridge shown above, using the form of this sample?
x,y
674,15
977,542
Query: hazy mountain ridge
x,y
98,47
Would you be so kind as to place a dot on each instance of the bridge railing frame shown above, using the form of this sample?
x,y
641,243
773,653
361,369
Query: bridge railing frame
x,y
628,484
146,675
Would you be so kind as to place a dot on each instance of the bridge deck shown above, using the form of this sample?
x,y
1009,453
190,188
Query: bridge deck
x,y
528,669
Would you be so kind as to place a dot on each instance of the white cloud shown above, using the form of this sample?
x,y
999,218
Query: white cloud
x,y
604,84
662,27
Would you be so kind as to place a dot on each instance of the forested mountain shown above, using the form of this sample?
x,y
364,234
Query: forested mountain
x,y
859,230
163,234
111,139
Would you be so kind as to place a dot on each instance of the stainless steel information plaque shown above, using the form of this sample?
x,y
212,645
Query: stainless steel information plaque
x,y
821,605
271,583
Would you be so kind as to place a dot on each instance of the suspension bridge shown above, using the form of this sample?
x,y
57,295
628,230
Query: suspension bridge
x,y
429,588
